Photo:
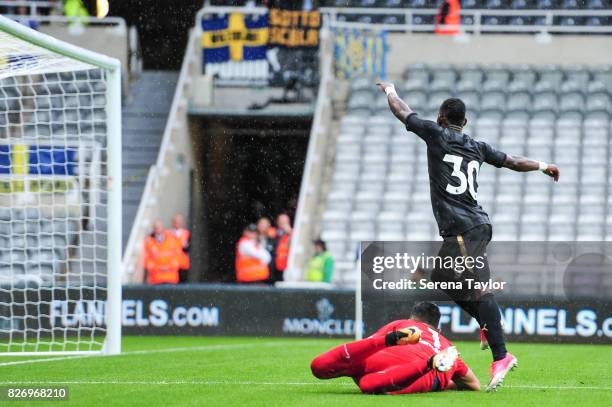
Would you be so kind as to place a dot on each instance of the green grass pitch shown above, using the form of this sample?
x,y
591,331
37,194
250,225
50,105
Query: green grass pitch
x,y
199,371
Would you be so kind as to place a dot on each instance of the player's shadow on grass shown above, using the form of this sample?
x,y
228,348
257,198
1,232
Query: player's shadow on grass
x,y
355,392
349,389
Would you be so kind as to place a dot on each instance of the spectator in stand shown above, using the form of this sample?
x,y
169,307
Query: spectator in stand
x,y
252,258
183,236
267,237
266,233
283,242
77,15
27,15
34,8
75,8
18,10
448,19
321,264
162,256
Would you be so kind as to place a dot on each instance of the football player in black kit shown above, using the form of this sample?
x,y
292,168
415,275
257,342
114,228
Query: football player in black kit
x,y
454,160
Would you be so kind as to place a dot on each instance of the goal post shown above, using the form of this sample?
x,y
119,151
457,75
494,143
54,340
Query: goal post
x,y
358,299
60,196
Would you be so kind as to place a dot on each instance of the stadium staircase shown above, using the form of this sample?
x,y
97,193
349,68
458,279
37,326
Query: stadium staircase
x,y
144,118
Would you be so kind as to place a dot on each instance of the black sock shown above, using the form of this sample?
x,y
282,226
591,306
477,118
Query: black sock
x,y
490,319
430,362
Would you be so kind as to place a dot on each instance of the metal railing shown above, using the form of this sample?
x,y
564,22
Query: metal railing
x,y
132,264
114,22
332,14
331,18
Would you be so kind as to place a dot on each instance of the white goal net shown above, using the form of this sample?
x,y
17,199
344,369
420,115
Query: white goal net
x,y
60,196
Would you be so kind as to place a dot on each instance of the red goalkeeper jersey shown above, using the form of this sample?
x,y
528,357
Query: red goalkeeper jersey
x,y
431,342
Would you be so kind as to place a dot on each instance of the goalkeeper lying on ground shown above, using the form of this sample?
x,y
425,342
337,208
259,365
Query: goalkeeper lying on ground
x,y
404,356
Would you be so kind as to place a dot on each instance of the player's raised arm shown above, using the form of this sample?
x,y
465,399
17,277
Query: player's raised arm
x,y
522,164
400,109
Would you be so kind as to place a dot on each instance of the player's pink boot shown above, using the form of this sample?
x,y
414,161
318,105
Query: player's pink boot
x,y
500,369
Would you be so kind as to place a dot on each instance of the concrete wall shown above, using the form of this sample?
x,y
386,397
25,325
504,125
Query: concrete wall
x,y
405,48
111,41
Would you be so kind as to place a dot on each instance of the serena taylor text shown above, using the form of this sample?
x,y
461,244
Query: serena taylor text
x,y
424,284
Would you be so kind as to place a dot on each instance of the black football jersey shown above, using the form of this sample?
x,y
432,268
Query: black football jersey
x,y
453,161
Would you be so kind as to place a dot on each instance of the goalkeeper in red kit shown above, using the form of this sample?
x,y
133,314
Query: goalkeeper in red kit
x,y
404,356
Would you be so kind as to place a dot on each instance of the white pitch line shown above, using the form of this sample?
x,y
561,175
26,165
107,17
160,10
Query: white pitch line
x,y
220,382
161,350
29,361
255,383
173,382
535,387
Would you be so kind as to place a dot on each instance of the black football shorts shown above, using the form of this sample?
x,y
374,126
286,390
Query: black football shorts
x,y
469,262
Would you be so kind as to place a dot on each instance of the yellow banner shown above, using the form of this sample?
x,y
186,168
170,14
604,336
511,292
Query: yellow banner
x,y
291,28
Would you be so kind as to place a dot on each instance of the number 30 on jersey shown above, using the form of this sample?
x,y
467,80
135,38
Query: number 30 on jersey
x,y
465,182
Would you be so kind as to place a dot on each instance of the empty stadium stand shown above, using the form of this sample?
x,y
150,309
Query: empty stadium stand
x,y
44,233
32,244
379,188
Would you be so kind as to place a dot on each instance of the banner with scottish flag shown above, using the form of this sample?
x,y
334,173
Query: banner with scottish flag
x,y
235,37
360,53
234,46
294,43
294,28
261,47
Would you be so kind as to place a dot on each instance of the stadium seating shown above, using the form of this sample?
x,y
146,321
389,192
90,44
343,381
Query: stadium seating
x,y
468,5
476,4
379,184
42,239
419,17
33,244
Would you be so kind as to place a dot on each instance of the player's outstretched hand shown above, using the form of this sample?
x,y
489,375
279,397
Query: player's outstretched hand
x,y
404,336
384,85
552,171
